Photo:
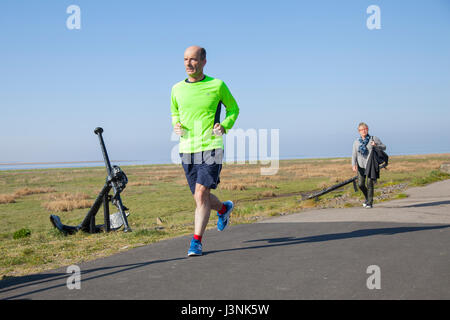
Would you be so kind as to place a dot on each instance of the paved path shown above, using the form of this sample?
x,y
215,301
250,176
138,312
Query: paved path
x,y
429,204
316,254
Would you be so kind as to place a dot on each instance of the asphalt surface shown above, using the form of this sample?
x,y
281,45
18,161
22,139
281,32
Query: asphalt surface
x,y
316,254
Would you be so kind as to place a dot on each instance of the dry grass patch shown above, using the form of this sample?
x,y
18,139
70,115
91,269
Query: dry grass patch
x,y
265,185
67,202
405,166
183,182
307,204
11,198
66,205
164,177
266,194
67,196
232,186
7,198
140,183
28,191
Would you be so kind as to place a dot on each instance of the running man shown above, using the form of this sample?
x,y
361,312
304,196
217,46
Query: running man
x,y
360,154
195,108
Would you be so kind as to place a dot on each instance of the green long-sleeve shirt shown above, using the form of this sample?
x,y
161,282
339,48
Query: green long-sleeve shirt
x,y
194,105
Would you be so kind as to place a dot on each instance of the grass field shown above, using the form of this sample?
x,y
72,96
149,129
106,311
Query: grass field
x,y
161,205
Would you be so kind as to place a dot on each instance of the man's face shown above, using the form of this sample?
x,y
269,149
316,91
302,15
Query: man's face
x,y
363,131
193,62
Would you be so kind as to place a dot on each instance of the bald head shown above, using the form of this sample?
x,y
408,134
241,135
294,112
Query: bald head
x,y
197,51
194,61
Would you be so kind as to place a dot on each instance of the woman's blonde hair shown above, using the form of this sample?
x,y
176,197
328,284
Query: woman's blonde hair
x,y
363,124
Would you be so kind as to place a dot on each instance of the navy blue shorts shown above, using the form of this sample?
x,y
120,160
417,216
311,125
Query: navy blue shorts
x,y
203,168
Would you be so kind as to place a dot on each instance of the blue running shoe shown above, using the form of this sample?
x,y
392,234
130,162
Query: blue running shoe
x,y
195,248
222,223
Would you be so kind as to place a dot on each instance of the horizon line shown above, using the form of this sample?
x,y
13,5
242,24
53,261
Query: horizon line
x,y
267,159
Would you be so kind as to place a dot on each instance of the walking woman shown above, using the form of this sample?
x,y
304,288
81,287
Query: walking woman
x,y
360,154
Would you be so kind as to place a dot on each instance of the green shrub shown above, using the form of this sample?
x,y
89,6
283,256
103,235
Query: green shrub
x,y
22,233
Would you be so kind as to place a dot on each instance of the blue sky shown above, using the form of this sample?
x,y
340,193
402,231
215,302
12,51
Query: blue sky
x,y
311,69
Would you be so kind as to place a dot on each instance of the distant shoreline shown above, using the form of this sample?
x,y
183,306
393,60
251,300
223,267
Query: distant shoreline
x,y
59,162
66,164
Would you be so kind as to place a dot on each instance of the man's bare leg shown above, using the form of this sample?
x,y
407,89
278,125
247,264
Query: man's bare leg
x,y
216,204
206,202
203,209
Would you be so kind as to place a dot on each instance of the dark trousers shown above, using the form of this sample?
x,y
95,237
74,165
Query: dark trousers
x,y
367,191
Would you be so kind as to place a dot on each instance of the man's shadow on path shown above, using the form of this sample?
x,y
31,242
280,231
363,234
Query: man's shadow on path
x,y
31,280
420,205
287,241
349,235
